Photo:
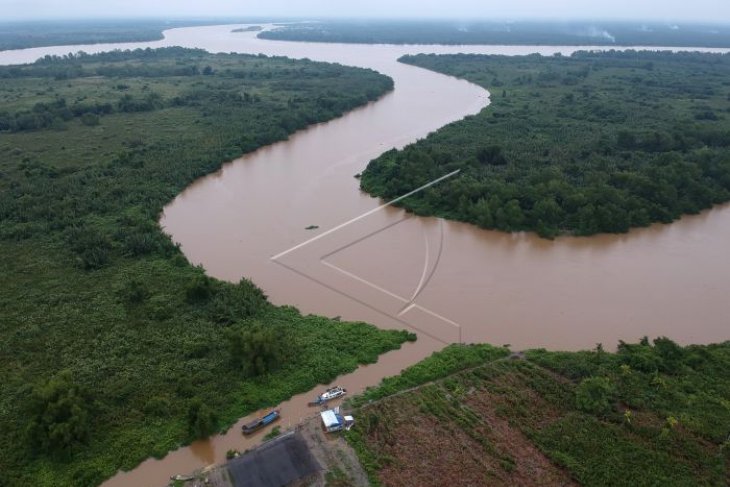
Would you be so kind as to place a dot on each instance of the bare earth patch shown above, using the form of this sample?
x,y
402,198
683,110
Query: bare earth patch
x,y
430,439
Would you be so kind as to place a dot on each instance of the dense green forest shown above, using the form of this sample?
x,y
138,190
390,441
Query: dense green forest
x,y
594,142
575,33
24,34
114,348
652,413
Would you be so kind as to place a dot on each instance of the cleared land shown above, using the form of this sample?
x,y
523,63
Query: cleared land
x,y
650,414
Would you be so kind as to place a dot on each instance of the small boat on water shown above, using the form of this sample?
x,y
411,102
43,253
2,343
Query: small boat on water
x,y
260,422
182,478
328,395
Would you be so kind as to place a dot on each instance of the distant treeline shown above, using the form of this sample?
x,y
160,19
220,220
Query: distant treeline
x,y
24,34
595,142
494,32
160,63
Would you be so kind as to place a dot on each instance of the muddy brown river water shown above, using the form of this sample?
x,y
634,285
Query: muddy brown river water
x,y
450,282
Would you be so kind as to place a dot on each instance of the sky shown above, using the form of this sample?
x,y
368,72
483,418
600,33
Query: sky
x,y
717,11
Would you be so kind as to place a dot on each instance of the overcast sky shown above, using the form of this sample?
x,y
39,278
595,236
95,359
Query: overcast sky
x,y
660,10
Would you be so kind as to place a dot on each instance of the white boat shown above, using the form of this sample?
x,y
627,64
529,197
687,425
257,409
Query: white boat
x,y
330,394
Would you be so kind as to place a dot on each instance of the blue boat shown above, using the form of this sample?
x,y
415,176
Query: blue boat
x,y
260,422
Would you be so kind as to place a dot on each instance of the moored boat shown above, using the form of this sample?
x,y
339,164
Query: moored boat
x,y
328,395
182,478
260,422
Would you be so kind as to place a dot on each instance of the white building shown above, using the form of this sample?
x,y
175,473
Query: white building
x,y
333,421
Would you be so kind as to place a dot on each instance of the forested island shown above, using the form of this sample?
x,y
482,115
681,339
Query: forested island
x,y
590,143
114,348
652,413
523,32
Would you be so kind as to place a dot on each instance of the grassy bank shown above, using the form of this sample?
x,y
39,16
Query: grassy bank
x,y
592,143
650,414
115,348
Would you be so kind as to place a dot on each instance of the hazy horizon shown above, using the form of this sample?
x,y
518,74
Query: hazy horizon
x,y
674,11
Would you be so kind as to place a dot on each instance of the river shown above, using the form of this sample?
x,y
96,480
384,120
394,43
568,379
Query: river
x,y
450,282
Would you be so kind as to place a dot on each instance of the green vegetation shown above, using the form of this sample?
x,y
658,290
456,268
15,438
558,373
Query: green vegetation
x,y
653,413
446,362
250,28
275,431
113,347
60,414
337,478
595,142
578,33
21,35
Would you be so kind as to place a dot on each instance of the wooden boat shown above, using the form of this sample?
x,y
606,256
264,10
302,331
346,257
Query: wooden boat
x,y
182,478
328,395
260,422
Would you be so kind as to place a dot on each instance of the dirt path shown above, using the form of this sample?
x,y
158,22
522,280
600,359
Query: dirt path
x,y
335,455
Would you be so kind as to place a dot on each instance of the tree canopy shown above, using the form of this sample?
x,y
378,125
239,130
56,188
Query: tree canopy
x,y
591,143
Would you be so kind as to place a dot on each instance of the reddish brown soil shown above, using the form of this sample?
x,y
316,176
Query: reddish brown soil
x,y
421,449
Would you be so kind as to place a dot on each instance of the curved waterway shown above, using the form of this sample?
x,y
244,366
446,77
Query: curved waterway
x,y
449,281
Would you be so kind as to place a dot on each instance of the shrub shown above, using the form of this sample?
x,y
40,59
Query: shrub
x,y
61,414
199,290
594,395
201,419
90,119
256,349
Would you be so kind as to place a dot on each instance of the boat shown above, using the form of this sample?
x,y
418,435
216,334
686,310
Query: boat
x,y
328,395
260,422
182,478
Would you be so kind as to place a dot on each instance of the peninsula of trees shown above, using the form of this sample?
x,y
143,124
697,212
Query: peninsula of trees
x,y
594,142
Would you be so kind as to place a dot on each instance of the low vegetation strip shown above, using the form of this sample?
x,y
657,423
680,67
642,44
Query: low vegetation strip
x,y
653,413
114,348
591,143
451,359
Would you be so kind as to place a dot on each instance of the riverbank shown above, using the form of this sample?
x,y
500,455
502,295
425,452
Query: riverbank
x,y
567,294
109,334
305,453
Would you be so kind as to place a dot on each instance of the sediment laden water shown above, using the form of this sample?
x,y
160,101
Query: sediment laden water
x,y
450,282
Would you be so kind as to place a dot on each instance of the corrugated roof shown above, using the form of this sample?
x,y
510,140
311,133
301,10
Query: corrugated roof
x,y
329,418
275,464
